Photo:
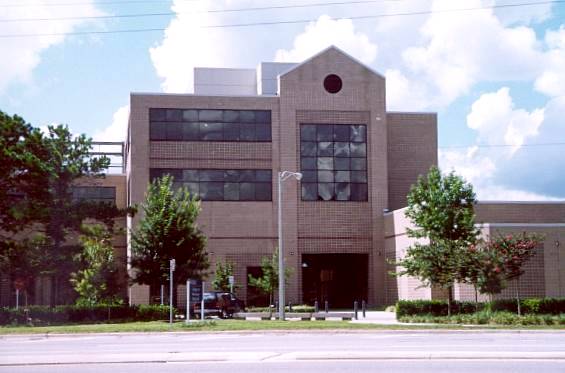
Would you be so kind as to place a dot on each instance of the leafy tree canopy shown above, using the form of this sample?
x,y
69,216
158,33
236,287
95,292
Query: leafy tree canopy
x,y
442,209
168,230
98,281
268,283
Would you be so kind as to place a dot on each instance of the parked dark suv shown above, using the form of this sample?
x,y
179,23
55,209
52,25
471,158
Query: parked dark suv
x,y
221,304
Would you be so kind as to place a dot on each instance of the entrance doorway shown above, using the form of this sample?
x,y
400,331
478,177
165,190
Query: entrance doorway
x,y
339,279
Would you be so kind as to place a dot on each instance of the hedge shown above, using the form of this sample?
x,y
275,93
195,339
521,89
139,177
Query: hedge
x,y
534,306
45,315
297,308
488,318
433,307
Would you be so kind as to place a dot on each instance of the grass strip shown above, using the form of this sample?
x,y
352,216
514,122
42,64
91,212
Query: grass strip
x,y
240,325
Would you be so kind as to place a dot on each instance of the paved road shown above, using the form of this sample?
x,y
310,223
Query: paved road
x,y
384,351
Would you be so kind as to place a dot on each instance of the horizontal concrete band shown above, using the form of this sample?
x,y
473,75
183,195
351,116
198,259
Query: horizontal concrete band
x,y
239,356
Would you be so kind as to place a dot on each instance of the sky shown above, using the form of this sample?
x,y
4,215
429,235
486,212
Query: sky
x,y
494,71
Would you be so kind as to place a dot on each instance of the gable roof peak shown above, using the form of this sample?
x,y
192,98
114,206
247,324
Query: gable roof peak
x,y
326,50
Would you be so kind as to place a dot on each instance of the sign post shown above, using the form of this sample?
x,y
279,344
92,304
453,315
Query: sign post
x,y
172,264
187,318
202,303
194,294
231,280
19,284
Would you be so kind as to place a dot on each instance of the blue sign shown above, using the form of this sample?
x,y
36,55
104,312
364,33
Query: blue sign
x,y
195,291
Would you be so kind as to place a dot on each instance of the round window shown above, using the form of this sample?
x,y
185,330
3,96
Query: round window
x,y
332,83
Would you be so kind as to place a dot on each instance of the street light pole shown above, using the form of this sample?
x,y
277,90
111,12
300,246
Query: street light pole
x,y
283,175
172,264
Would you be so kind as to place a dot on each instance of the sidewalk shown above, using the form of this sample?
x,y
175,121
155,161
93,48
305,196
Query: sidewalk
x,y
378,317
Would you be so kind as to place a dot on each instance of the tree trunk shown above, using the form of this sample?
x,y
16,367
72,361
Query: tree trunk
x,y
476,299
449,301
518,296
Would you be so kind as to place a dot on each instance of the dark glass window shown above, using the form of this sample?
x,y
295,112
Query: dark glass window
x,y
94,194
209,125
158,131
190,131
173,115
221,185
309,191
332,83
333,160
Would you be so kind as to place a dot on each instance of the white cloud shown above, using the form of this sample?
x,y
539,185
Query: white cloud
x,y
552,80
324,33
496,120
499,193
404,93
480,169
21,55
186,45
459,49
519,15
517,172
467,163
118,129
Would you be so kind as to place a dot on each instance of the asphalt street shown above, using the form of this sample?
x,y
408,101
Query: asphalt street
x,y
375,351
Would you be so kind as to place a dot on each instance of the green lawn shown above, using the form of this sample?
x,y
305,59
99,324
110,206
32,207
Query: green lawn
x,y
234,325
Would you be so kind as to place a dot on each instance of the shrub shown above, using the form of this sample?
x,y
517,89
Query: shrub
x,y
538,306
152,312
433,307
486,317
298,308
44,315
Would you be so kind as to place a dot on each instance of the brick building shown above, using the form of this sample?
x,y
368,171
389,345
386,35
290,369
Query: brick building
x,y
342,222
326,118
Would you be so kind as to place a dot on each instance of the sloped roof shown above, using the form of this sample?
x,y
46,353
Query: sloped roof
x,y
332,47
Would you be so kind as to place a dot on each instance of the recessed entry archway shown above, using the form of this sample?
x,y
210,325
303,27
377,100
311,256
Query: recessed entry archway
x,y
339,279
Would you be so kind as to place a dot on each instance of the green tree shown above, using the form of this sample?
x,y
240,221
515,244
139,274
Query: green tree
x,y
442,209
221,278
268,283
98,280
502,259
23,173
168,230
60,215
37,174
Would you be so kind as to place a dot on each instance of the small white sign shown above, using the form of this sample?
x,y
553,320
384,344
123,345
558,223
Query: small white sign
x,y
231,280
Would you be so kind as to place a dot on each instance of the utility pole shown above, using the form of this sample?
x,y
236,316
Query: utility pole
x,y
172,264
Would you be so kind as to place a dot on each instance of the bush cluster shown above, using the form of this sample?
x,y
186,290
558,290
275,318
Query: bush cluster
x,y
534,306
488,318
302,308
434,307
538,306
45,315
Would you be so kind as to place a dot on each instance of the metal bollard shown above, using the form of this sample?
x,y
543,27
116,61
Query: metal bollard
x,y
364,307
356,309
316,307
326,306
289,306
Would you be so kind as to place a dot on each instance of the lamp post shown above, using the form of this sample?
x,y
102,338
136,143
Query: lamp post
x,y
283,175
172,265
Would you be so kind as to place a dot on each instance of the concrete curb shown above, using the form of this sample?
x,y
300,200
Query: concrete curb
x,y
7,337
167,357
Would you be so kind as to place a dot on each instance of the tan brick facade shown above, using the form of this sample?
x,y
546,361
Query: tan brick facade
x,y
243,232
544,274
400,147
